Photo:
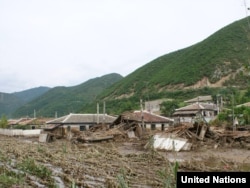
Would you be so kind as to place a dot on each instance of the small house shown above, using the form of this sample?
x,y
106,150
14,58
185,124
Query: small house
x,y
144,119
188,114
78,122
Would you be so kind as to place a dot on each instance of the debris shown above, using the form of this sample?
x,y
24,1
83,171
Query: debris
x,y
164,142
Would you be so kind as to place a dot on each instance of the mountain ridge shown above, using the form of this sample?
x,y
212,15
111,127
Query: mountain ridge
x,y
222,60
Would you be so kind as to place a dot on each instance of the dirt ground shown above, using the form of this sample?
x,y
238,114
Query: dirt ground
x,y
114,163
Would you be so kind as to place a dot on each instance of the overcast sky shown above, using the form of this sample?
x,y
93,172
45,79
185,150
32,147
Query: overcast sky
x,y
67,42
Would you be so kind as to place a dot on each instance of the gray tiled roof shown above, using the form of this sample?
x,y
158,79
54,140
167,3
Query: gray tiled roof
x,y
83,118
197,106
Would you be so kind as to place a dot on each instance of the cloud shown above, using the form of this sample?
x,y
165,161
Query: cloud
x,y
67,42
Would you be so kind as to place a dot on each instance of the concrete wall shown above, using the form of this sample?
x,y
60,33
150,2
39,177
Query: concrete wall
x,y
19,132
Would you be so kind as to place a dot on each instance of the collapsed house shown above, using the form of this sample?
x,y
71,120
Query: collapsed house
x,y
188,136
33,123
136,121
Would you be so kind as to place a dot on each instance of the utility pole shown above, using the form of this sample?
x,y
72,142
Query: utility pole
x,y
104,112
97,113
142,118
233,112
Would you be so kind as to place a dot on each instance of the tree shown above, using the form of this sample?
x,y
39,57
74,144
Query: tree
x,y
168,107
3,122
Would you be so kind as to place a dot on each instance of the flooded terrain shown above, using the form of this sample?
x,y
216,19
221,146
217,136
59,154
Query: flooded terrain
x,y
24,162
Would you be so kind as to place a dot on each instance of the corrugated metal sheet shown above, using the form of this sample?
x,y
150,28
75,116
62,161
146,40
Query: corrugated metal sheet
x,y
165,142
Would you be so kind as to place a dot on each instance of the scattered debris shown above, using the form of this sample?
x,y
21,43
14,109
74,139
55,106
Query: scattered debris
x,y
188,136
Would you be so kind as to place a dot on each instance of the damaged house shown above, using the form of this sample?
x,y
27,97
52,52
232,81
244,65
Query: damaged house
x,y
200,107
78,122
138,120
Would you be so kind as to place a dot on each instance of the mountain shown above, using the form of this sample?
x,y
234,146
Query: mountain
x,y
30,94
63,100
221,60
9,102
220,64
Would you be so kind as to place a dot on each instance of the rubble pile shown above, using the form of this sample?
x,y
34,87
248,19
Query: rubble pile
x,y
200,134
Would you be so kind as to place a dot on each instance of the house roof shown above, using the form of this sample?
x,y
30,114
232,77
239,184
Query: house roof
x,y
200,99
83,118
147,117
193,109
27,121
21,121
193,112
198,106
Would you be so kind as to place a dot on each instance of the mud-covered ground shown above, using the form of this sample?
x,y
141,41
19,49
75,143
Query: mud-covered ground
x,y
126,162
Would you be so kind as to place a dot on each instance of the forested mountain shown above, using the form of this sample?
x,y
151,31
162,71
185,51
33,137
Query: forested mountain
x,y
30,94
222,59
9,102
215,65
64,100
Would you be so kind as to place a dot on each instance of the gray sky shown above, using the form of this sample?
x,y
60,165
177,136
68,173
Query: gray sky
x,y
67,42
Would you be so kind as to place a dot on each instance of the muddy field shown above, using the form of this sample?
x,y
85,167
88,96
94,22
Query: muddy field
x,y
24,162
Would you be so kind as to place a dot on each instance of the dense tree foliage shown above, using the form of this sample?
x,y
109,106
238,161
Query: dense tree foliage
x,y
3,122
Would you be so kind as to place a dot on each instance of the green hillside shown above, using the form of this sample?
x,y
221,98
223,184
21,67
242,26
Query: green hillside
x,y
220,62
223,53
9,103
64,100
30,94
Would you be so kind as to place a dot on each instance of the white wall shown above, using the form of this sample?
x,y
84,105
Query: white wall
x,y
19,132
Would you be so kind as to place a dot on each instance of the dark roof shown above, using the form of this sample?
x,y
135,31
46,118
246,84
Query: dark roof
x,y
190,112
83,118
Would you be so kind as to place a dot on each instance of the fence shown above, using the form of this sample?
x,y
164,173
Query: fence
x,y
19,132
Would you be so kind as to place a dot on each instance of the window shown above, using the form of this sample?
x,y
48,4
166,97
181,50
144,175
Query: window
x,y
82,128
153,127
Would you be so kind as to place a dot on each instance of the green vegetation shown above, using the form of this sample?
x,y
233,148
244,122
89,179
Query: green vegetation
x,y
9,178
3,122
13,178
121,179
168,107
221,54
225,53
169,175
65,100
29,165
